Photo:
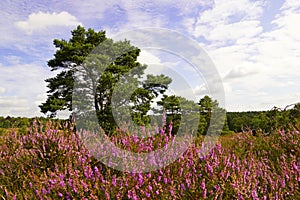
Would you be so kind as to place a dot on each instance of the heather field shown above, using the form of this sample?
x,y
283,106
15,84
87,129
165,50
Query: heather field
x,y
50,162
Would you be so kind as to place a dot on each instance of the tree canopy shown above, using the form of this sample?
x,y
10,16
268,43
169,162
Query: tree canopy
x,y
112,80
88,49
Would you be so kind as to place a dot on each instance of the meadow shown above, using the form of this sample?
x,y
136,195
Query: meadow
x,y
49,161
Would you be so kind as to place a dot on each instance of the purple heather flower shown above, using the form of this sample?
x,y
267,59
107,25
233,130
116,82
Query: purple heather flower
x,y
182,186
70,182
147,194
52,182
276,195
44,191
254,195
165,180
96,171
149,175
172,192
295,167
167,139
61,176
283,183
240,196
84,185
159,178
217,187
134,197
86,175
152,162
227,175
107,195
141,179
170,127
203,185
114,181
62,184
287,177
204,193
209,167
60,194
143,129
180,171
188,182
129,194
164,118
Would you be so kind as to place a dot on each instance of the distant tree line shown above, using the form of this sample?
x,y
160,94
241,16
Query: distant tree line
x,y
24,124
265,121
14,122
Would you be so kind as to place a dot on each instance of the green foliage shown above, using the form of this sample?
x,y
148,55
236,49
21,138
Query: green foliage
x,y
172,106
21,125
208,108
69,55
176,106
96,54
266,121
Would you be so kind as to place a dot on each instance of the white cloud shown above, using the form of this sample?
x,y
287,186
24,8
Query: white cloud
x,y
232,32
291,5
201,89
12,59
279,49
2,90
24,88
14,106
40,21
229,16
239,72
146,57
148,13
152,6
230,28
249,59
13,102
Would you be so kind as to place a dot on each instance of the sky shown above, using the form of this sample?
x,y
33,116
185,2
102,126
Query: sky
x,y
254,45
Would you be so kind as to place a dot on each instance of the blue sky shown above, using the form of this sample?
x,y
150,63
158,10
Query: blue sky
x,y
255,45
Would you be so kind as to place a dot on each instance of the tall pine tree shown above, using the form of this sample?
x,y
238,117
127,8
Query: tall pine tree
x,y
87,49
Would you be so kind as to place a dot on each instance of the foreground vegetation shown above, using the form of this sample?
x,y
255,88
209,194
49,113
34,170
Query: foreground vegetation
x,y
50,162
